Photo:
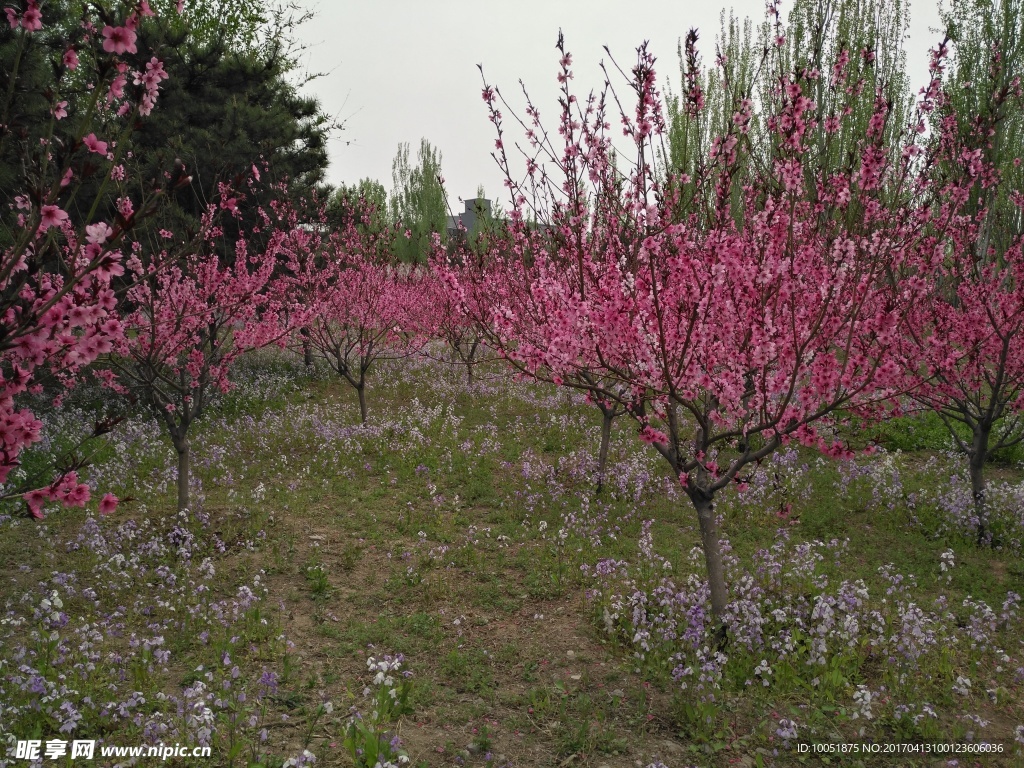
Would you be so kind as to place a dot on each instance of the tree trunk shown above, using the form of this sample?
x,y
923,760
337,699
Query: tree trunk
x,y
710,539
361,389
606,438
307,348
181,446
978,455
471,361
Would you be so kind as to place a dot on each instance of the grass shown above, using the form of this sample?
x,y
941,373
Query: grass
x,y
453,530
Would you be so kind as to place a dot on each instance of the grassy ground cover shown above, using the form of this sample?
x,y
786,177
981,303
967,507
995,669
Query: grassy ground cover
x,y
444,585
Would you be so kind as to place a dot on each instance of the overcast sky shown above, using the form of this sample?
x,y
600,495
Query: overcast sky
x,y
399,70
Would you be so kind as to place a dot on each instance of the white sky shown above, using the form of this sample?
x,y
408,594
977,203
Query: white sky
x,y
399,70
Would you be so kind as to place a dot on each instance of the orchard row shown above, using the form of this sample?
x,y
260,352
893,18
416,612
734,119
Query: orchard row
x,y
806,253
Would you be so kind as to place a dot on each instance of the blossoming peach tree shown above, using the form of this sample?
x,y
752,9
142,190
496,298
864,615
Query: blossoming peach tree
x,y
734,318
359,307
969,336
469,286
442,316
189,315
62,236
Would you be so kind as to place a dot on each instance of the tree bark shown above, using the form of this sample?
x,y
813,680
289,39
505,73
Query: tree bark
x,y
307,348
979,453
181,446
606,438
361,389
471,361
710,536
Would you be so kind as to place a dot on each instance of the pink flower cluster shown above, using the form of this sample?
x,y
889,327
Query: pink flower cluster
x,y
31,19
150,80
63,320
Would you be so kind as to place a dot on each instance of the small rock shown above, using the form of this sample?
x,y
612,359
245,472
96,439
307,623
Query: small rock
x,y
574,677
571,654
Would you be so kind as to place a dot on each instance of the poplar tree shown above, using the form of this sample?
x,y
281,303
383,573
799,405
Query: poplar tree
x,y
417,202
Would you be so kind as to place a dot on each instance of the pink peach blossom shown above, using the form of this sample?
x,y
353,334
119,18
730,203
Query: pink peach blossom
x,y
119,40
52,216
108,504
95,145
